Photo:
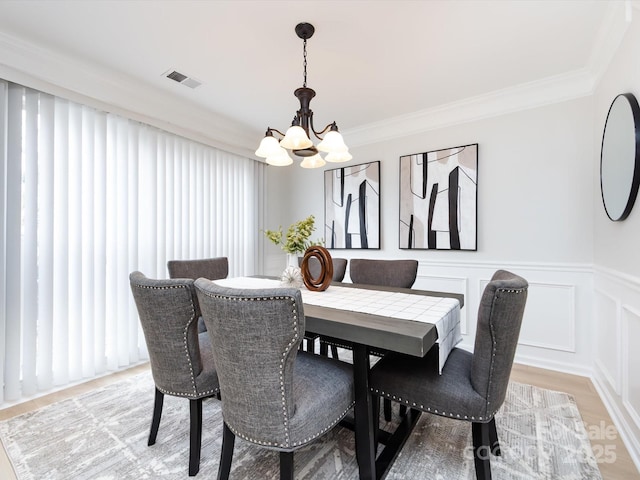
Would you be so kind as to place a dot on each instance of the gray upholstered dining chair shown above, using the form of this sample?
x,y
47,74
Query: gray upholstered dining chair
x,y
472,386
273,395
384,273
181,359
211,268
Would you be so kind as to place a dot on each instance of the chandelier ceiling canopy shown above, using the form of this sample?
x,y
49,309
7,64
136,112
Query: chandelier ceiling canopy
x,y
297,139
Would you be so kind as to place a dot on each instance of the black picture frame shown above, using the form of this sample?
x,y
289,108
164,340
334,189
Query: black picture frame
x,y
352,207
439,199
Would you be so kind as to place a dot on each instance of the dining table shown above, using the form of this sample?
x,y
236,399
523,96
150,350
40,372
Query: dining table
x,y
372,318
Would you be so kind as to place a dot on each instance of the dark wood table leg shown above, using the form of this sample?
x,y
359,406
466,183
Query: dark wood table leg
x,y
363,413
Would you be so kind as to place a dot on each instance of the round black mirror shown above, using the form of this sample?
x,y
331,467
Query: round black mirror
x,y
620,157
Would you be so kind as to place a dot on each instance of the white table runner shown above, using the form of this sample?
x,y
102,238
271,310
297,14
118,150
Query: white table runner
x,y
443,312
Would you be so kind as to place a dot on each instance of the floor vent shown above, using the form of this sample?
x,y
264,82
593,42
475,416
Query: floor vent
x,y
182,78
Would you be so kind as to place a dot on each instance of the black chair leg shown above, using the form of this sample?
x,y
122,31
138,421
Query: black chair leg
x,y
403,410
481,450
311,345
324,349
157,413
226,453
195,407
493,438
375,405
334,352
286,465
387,409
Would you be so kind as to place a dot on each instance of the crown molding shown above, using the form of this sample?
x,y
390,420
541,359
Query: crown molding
x,y
522,97
612,30
84,81
547,91
89,83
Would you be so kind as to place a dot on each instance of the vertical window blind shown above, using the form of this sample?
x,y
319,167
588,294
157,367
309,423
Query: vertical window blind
x,y
88,197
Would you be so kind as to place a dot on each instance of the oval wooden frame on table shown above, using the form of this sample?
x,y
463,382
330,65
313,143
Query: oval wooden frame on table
x,y
325,277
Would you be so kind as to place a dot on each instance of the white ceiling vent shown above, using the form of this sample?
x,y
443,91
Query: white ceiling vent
x,y
182,78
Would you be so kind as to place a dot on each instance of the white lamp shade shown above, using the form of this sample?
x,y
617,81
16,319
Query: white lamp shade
x,y
280,158
332,142
337,157
313,162
268,146
296,139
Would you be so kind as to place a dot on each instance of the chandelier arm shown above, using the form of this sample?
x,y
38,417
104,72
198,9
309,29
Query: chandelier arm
x,y
275,130
330,126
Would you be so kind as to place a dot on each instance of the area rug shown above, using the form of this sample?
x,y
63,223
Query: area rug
x,y
103,435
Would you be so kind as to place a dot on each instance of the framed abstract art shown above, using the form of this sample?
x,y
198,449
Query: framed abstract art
x,y
439,199
352,207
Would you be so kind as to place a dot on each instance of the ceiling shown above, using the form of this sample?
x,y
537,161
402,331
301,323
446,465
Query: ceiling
x,y
368,60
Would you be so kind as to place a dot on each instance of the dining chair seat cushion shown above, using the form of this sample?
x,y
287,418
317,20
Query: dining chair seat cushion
x,y
316,405
416,382
316,408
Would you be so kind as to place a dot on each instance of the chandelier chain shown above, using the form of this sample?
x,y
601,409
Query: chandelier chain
x,y
304,63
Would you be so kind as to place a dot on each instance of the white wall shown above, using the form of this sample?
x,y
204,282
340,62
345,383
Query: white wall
x,y
535,217
617,266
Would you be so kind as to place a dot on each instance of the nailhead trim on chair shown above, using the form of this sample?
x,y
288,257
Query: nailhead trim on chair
x,y
324,430
380,393
288,348
281,367
484,418
195,393
295,444
493,342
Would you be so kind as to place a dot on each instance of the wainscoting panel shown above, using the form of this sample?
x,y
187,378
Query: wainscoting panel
x,y
557,327
552,328
608,349
549,328
631,335
616,343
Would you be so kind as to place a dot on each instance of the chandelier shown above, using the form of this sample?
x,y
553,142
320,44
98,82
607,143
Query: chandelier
x,y
297,139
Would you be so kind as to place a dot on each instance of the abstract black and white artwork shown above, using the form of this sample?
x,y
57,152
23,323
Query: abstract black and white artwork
x,y
439,198
352,207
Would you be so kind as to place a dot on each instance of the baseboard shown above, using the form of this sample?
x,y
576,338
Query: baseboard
x,y
556,366
625,431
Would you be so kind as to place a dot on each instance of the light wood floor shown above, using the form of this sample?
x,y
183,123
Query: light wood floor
x,y
613,459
